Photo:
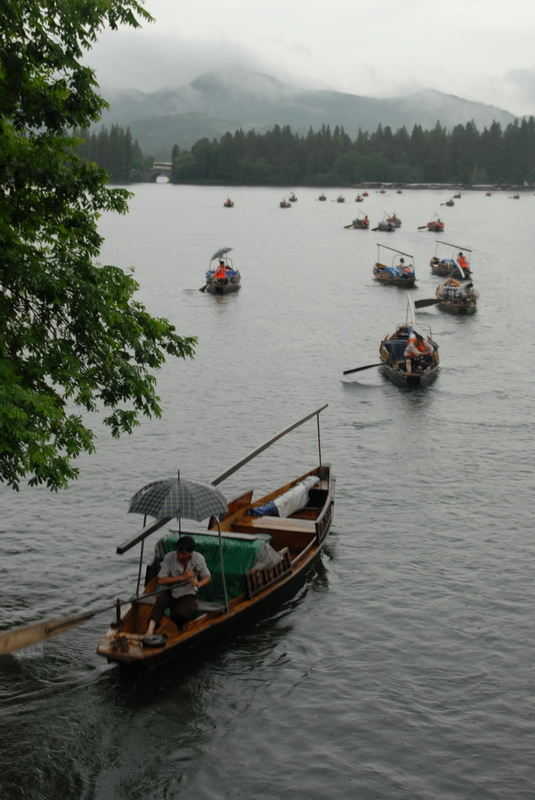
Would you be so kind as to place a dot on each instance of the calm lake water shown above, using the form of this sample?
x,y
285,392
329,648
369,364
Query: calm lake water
x,y
403,668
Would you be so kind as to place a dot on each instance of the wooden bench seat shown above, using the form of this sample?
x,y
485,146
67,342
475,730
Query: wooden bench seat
x,y
251,524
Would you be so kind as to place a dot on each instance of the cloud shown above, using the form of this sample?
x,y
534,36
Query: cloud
x,y
152,61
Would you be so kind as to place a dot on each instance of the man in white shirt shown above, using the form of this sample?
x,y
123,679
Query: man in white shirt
x,y
187,571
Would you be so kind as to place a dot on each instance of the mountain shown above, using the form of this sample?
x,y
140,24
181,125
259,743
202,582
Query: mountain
x,y
234,98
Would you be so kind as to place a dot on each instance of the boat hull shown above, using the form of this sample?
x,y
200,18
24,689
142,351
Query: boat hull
x,y
215,288
409,379
299,539
458,309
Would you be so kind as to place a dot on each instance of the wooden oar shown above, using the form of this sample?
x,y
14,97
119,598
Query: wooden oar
x,y
422,227
203,288
423,303
375,229
17,638
349,226
359,369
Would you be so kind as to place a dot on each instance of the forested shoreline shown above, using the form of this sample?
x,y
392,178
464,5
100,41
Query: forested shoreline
x,y
462,156
331,158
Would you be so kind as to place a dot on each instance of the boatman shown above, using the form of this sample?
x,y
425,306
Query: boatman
x,y
462,262
188,569
220,271
415,351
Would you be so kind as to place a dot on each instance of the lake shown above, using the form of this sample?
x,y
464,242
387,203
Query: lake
x,y
402,668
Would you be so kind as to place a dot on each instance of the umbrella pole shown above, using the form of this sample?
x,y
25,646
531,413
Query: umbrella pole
x,y
319,437
222,564
141,558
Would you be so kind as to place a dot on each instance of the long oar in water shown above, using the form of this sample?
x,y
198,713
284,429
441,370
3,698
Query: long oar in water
x,y
432,301
17,638
359,369
422,227
25,636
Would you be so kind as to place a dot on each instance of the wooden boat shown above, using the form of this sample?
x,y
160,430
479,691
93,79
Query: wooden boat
x,y
253,556
361,223
457,196
394,220
488,194
284,203
228,203
449,202
456,297
365,194
456,264
385,227
436,225
322,197
399,273
292,198
359,199
223,278
340,199
392,354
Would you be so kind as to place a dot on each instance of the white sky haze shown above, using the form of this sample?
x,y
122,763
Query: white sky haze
x,y
482,50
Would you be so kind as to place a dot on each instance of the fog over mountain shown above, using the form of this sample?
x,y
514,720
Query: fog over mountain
x,y
233,98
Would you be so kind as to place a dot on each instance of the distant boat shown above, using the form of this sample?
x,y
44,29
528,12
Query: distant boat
x,y
222,279
456,297
292,198
456,264
340,199
285,204
436,225
228,203
400,273
421,369
322,197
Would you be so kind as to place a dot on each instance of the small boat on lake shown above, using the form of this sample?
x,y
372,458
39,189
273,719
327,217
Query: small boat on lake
x,y
359,199
292,198
457,196
322,197
394,220
456,264
449,202
255,551
399,273
385,227
228,203
457,297
284,203
361,223
223,278
340,199
409,357
436,225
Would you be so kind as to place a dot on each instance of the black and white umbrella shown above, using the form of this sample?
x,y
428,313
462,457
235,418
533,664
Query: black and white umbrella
x,y
176,497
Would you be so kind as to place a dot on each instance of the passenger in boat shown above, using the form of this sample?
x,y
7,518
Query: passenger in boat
x,y
416,353
188,568
221,271
462,262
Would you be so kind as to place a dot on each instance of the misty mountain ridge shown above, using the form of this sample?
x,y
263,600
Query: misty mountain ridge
x,y
234,98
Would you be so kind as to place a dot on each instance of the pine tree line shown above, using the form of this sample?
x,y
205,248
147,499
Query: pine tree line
x,y
330,158
115,151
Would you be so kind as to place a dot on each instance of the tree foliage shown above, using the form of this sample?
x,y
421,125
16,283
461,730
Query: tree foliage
x,y
331,158
72,336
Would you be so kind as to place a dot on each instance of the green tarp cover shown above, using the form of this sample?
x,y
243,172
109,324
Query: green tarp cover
x,y
238,556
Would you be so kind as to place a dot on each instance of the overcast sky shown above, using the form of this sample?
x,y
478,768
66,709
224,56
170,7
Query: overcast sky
x,y
482,50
